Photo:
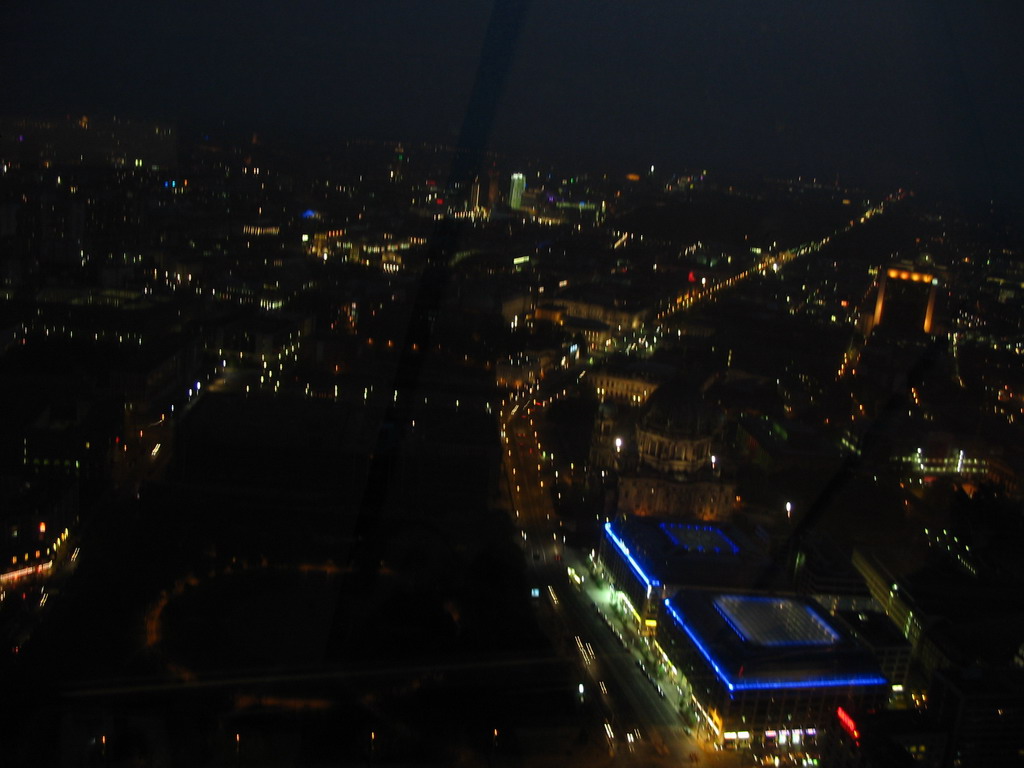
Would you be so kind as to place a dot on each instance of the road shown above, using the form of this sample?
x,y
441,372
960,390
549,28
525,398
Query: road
x,y
643,725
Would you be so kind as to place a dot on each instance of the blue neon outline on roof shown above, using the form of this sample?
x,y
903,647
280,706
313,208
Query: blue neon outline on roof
x,y
625,551
821,620
731,623
666,526
770,684
723,611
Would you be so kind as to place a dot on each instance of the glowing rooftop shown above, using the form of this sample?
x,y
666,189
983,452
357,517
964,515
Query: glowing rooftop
x,y
769,642
774,621
699,538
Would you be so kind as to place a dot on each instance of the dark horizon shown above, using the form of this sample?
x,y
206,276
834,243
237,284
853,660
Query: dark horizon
x,y
902,95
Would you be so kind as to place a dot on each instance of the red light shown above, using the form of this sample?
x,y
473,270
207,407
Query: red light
x,y
440,201
847,723
117,440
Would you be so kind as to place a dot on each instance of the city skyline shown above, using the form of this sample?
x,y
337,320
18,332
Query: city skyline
x,y
902,94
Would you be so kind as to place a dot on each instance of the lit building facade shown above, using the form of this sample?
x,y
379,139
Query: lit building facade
x,y
627,388
515,192
766,672
653,495
677,472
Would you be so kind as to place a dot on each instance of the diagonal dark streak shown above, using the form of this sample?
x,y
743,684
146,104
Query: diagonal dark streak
x,y
497,53
851,465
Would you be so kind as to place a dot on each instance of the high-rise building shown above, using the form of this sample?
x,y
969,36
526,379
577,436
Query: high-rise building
x,y
398,163
515,192
901,290
474,194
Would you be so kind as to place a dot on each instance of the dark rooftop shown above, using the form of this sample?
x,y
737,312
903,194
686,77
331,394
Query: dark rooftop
x,y
679,553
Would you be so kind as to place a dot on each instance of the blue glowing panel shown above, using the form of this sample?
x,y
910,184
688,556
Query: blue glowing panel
x,y
309,214
839,681
625,552
774,621
699,538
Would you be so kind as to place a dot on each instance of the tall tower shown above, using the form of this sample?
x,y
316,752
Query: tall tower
x,y
515,192
398,163
474,194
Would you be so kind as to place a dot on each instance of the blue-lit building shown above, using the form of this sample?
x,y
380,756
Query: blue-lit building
x,y
647,559
766,672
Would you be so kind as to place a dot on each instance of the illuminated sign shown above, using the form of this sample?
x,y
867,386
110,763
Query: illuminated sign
x,y
848,724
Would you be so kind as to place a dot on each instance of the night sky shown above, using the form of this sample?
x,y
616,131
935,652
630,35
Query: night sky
x,y
924,93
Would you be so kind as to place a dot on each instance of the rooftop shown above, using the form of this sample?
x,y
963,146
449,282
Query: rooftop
x,y
679,552
693,537
774,621
763,642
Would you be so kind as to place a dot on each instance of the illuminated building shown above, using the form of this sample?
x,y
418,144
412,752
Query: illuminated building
x,y
37,517
261,230
766,671
677,472
590,302
88,141
883,739
900,277
519,371
398,164
515,192
474,194
647,559
325,244
629,386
